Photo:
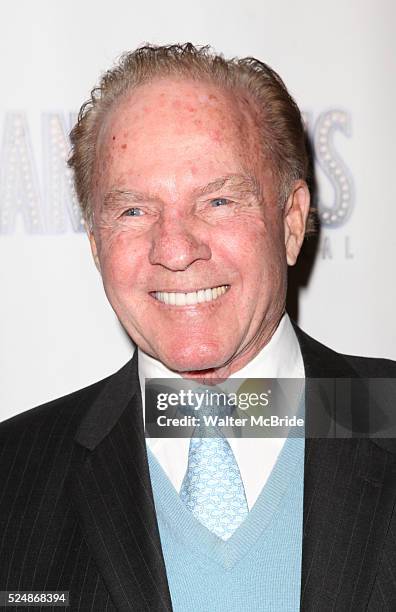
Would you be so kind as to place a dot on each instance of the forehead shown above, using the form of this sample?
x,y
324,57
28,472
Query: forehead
x,y
164,128
181,107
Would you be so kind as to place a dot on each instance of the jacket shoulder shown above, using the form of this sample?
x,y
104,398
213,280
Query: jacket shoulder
x,y
323,362
36,446
372,367
53,415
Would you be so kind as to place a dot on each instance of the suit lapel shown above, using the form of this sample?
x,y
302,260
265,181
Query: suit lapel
x,y
111,490
349,497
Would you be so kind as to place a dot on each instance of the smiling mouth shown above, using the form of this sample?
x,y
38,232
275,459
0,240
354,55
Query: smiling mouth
x,y
190,299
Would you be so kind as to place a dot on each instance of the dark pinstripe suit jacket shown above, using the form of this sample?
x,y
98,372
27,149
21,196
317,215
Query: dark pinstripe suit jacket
x,y
77,513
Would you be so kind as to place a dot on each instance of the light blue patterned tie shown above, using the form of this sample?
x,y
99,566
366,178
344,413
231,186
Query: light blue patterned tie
x,y
212,487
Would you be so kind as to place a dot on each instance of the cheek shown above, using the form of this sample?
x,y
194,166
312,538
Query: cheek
x,y
121,259
254,249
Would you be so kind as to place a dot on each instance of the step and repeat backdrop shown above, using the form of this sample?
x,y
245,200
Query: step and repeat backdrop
x,y
57,331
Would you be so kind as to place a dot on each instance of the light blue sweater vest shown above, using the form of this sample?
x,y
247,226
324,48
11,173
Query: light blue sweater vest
x,y
259,567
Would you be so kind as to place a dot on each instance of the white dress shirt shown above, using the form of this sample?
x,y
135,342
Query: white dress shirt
x,y
280,358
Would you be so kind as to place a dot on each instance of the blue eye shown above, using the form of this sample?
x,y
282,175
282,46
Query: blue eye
x,y
133,212
219,202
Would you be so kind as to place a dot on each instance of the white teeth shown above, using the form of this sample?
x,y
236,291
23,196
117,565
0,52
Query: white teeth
x,y
194,297
180,299
201,296
190,298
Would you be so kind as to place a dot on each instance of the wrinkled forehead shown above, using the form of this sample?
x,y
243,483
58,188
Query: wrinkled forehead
x,y
169,138
182,108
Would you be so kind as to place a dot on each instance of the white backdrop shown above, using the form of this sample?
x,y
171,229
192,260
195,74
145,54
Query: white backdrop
x,y
338,59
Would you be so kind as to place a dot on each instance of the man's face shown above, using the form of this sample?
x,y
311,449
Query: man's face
x,y
188,232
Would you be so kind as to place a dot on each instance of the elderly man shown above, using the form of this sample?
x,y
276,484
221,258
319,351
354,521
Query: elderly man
x,y
191,173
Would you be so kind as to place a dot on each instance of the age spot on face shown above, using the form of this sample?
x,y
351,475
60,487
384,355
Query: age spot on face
x,y
216,135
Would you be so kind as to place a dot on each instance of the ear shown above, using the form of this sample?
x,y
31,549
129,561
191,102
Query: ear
x,y
94,249
295,216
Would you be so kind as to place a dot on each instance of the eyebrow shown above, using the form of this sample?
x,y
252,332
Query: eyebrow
x,y
243,183
115,195
240,182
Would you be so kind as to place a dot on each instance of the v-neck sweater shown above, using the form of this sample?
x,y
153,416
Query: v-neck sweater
x,y
259,567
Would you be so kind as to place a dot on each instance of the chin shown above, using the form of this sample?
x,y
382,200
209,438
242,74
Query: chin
x,y
193,358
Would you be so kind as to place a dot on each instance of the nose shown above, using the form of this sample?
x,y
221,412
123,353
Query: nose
x,y
176,245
